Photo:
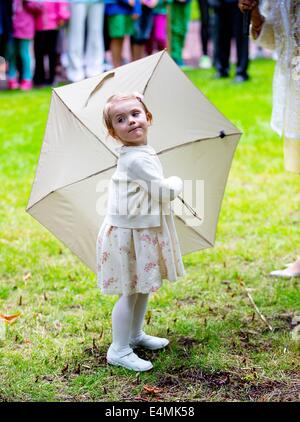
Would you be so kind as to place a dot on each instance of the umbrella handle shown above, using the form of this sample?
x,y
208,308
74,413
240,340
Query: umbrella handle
x,y
189,208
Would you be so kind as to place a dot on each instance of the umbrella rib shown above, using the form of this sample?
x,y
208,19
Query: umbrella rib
x,y
198,140
193,230
70,184
76,117
155,67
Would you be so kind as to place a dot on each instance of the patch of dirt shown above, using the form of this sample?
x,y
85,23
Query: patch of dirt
x,y
234,385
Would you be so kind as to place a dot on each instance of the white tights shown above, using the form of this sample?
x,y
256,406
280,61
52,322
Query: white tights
x,y
127,320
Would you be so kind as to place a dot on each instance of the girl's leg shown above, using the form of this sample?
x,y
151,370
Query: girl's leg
x,y
122,316
26,59
138,337
120,353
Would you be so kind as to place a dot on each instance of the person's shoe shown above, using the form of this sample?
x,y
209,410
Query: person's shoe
x,y
220,75
239,79
26,85
13,84
286,273
149,342
129,361
205,62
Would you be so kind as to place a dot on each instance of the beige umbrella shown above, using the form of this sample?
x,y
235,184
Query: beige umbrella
x,y
77,158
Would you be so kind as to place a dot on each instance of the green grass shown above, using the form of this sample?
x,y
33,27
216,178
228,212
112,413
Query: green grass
x,y
219,348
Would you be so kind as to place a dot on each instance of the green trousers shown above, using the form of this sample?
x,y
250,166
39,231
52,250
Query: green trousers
x,y
180,16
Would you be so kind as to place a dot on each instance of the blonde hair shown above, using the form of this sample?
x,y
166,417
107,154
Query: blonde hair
x,y
120,97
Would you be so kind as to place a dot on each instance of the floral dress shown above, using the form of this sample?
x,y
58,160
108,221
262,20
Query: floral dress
x,y
137,260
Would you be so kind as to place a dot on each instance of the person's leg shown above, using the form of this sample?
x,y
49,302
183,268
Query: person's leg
x,y
95,43
75,70
137,51
116,47
26,78
242,46
204,60
52,36
118,27
11,54
225,36
120,353
176,32
122,316
138,337
204,32
39,70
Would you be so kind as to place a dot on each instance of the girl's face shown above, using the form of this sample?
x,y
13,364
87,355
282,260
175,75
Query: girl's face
x,y
130,123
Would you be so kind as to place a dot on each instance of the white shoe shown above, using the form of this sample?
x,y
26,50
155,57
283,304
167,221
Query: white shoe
x,y
205,62
129,361
287,273
149,342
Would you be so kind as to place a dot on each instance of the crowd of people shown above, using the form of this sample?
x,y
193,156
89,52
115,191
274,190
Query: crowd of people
x,y
83,38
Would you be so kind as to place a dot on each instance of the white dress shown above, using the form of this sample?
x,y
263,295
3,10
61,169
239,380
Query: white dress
x,y
137,260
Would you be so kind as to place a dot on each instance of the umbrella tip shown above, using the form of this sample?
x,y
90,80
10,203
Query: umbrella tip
x,y
222,134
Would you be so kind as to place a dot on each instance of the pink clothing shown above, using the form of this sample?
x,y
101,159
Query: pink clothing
x,y
159,33
23,18
52,15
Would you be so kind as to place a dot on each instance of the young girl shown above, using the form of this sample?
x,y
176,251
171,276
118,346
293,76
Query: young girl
x,y
137,245
23,32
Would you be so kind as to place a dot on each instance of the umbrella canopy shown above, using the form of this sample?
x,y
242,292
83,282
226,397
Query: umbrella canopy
x,y
191,137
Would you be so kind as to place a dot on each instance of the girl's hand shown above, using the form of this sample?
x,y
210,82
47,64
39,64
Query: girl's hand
x,y
246,5
135,16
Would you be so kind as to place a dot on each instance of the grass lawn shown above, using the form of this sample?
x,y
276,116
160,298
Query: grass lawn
x,y
220,350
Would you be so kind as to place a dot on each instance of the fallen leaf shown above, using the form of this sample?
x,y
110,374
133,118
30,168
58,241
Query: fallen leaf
x,y
10,318
152,389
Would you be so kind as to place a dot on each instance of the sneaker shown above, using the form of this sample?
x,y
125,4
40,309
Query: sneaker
x,y
26,85
239,79
149,342
205,62
12,84
129,361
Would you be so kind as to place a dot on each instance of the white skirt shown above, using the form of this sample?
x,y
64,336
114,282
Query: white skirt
x,y
137,260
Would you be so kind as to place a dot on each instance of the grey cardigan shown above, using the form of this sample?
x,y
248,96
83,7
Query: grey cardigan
x,y
138,192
